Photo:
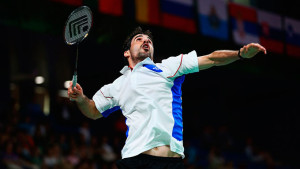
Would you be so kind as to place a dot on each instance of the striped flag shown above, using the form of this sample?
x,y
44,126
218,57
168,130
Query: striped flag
x,y
111,7
270,31
292,29
178,14
213,18
147,11
244,24
70,2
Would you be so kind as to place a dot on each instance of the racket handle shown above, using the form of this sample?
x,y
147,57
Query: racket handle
x,y
74,81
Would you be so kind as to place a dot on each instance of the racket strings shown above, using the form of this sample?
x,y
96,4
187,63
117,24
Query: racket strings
x,y
78,25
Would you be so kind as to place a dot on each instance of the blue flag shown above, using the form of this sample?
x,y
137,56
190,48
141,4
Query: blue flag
x,y
213,18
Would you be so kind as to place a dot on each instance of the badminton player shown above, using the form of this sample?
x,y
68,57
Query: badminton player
x,y
149,96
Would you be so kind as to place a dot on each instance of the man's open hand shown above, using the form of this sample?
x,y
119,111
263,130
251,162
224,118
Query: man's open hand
x,y
250,50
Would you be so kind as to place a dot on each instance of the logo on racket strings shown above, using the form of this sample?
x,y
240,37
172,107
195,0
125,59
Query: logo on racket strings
x,y
78,26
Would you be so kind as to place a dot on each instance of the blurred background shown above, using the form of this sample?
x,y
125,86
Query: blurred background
x,y
241,116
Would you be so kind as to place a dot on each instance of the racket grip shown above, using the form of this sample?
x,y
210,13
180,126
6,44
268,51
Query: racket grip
x,y
74,81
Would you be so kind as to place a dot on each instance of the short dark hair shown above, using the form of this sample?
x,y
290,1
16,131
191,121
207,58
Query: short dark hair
x,y
137,30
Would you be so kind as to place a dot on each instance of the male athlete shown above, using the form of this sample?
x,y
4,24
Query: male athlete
x,y
149,95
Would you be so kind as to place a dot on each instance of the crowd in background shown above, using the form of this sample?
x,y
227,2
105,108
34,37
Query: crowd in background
x,y
31,140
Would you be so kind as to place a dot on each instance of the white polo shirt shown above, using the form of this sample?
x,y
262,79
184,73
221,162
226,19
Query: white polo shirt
x,y
150,99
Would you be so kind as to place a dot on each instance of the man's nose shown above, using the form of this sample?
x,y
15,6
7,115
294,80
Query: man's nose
x,y
146,41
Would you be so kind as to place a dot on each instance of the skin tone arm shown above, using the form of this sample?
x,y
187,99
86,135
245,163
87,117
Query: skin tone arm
x,y
224,57
85,105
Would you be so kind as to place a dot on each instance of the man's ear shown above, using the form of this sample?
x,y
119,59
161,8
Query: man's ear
x,y
126,53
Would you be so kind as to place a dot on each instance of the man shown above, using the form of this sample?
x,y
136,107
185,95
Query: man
x,y
149,96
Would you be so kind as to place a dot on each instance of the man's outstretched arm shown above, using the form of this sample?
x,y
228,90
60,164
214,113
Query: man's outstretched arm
x,y
224,57
85,105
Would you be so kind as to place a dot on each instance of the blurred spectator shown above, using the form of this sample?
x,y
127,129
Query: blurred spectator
x,y
85,132
25,144
228,165
208,137
86,164
216,160
37,157
46,144
53,157
252,152
73,157
63,143
12,160
191,153
224,139
9,157
27,126
108,156
257,155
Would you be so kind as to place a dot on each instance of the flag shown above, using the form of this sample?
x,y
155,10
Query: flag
x,y
213,18
292,29
70,2
244,24
178,14
271,34
147,11
111,7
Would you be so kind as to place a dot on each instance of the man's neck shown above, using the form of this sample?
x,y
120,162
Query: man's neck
x,y
133,63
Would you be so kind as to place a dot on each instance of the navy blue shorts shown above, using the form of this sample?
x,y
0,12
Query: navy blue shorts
x,y
144,161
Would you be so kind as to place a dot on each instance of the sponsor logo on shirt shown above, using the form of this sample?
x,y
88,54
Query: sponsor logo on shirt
x,y
152,67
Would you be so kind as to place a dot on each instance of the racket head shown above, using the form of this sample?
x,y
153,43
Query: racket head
x,y
78,25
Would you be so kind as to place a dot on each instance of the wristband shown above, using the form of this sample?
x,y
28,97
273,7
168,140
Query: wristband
x,y
239,55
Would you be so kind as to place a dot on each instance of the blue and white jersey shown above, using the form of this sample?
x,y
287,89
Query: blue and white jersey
x,y
150,99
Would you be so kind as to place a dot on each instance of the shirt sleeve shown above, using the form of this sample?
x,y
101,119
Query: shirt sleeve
x,y
104,101
181,64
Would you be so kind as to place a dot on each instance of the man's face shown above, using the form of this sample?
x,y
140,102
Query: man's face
x,y
141,48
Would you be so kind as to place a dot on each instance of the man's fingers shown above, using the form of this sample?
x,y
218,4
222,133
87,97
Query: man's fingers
x,y
77,90
264,50
72,93
246,49
78,86
73,97
259,47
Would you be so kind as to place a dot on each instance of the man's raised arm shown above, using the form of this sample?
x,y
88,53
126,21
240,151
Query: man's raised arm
x,y
224,57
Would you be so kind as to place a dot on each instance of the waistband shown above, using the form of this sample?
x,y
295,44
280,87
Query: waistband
x,y
146,156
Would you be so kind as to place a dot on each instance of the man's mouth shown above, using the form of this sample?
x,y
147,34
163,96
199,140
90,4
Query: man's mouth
x,y
146,47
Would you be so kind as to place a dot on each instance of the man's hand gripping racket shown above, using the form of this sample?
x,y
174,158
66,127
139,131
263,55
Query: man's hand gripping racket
x,y
77,28
75,92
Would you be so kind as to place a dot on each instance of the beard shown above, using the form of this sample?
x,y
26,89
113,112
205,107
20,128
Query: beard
x,y
144,55
140,55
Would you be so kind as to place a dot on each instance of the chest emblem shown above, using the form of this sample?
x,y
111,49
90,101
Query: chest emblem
x,y
152,67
